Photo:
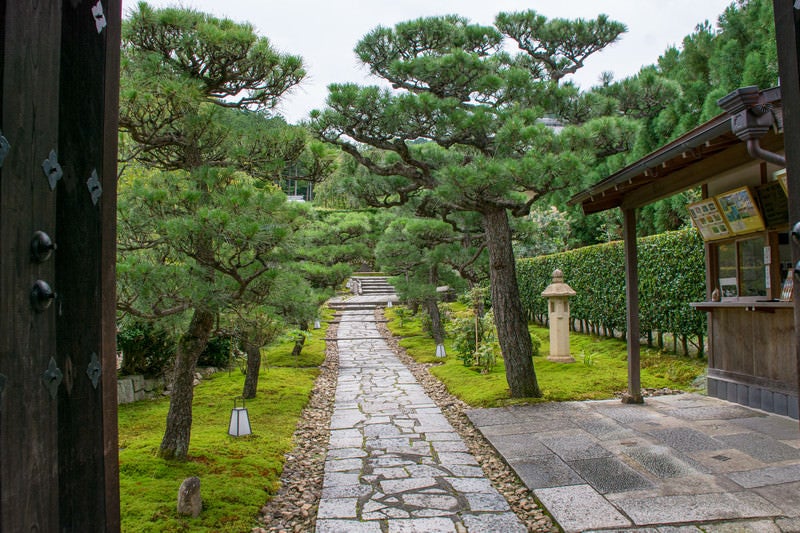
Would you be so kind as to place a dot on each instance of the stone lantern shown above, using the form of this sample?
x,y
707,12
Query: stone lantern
x,y
557,294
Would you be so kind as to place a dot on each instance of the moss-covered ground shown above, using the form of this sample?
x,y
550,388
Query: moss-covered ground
x,y
599,370
237,474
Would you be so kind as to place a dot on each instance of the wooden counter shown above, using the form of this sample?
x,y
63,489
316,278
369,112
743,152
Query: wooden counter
x,y
751,353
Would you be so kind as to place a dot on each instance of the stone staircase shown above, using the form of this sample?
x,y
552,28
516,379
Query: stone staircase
x,y
374,286
368,292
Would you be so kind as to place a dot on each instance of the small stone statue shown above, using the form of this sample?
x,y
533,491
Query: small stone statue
x,y
715,295
189,501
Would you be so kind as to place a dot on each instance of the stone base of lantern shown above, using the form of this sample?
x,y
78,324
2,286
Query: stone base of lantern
x,y
560,358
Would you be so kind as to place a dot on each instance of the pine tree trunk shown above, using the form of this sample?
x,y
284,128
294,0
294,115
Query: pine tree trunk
x,y
175,444
253,352
437,331
300,341
509,316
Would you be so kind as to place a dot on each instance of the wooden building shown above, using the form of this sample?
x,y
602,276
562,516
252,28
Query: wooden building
x,y
59,72
736,160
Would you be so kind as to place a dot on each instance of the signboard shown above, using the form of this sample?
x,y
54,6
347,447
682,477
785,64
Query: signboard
x,y
774,204
708,219
740,211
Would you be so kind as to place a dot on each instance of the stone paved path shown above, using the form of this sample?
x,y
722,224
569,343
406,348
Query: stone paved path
x,y
394,463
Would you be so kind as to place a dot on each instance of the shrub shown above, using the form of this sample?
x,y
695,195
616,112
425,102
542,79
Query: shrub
x,y
485,356
671,275
146,348
462,331
218,352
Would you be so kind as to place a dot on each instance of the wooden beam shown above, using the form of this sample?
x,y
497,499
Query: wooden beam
x,y
695,174
108,264
634,394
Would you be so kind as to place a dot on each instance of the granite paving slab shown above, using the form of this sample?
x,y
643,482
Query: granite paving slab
x,y
697,508
608,474
677,464
762,447
580,507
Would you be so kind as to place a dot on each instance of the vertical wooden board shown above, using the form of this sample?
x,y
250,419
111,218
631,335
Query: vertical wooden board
x,y
82,273
28,414
773,357
108,274
734,341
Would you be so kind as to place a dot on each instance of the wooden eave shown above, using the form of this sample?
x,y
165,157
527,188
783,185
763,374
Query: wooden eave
x,y
687,162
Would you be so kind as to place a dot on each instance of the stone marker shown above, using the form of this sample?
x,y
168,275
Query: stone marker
x,y
558,294
189,501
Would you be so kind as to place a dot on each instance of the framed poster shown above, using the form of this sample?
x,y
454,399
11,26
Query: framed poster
x,y
708,219
739,210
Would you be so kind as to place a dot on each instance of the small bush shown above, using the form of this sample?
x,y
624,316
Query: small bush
x,y
463,332
402,314
536,344
218,352
486,356
146,348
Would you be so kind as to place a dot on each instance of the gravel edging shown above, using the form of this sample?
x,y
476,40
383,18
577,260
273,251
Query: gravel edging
x,y
293,509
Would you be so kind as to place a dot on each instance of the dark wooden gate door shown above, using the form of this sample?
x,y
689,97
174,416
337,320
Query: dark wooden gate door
x,y
59,71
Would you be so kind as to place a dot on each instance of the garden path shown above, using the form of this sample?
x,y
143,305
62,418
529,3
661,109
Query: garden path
x,y
394,462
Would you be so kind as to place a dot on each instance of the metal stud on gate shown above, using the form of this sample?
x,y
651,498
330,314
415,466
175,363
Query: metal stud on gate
x,y
52,170
240,421
52,378
94,370
99,17
95,189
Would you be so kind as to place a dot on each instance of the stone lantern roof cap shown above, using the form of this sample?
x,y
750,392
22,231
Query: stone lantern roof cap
x,y
558,287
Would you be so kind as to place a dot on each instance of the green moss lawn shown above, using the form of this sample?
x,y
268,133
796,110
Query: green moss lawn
x,y
237,475
600,367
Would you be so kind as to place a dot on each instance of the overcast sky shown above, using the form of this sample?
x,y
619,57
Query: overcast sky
x,y
324,32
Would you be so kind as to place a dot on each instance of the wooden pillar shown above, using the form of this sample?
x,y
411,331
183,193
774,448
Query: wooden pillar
x,y
787,32
85,264
634,394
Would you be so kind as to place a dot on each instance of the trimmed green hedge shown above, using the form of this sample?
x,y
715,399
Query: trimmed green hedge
x,y
671,275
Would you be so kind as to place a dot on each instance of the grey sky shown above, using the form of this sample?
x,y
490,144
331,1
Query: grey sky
x,y
324,32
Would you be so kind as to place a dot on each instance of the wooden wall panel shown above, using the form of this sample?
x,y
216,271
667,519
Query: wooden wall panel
x,y
756,346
